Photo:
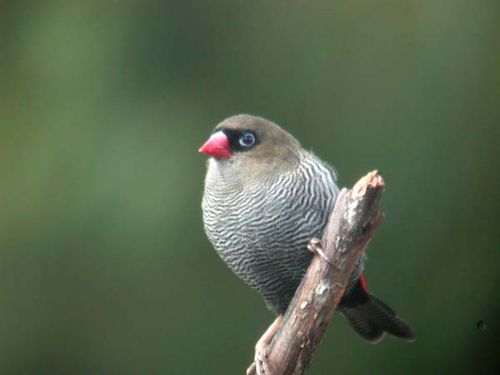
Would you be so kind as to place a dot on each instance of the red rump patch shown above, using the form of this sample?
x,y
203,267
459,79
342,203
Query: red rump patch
x,y
364,285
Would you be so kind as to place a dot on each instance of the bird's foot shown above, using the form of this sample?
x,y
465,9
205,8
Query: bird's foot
x,y
251,370
316,246
261,365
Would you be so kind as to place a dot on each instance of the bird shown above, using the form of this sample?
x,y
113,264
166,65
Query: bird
x,y
265,197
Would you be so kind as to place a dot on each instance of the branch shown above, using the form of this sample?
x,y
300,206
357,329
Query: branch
x,y
353,222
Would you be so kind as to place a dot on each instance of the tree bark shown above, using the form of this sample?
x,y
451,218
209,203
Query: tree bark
x,y
353,222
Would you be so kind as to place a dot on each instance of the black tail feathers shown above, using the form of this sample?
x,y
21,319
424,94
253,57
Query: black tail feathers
x,y
371,318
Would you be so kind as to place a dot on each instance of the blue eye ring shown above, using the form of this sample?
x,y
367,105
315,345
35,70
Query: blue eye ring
x,y
247,139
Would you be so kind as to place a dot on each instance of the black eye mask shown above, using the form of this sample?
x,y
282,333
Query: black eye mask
x,y
241,140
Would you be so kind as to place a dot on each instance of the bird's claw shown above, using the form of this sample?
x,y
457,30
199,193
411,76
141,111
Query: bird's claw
x,y
251,370
316,246
262,360
260,366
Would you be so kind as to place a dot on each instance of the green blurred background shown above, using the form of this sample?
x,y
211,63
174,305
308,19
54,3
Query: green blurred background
x,y
104,266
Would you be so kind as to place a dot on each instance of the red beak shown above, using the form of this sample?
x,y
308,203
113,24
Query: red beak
x,y
217,146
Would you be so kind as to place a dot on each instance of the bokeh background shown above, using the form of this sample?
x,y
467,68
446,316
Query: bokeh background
x,y
104,266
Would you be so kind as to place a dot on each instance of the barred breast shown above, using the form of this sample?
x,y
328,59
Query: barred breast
x,y
261,226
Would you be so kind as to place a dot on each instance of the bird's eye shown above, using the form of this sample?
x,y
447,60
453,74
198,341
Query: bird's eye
x,y
247,140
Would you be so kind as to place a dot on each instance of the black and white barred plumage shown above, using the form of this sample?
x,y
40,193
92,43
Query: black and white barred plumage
x,y
261,227
265,198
